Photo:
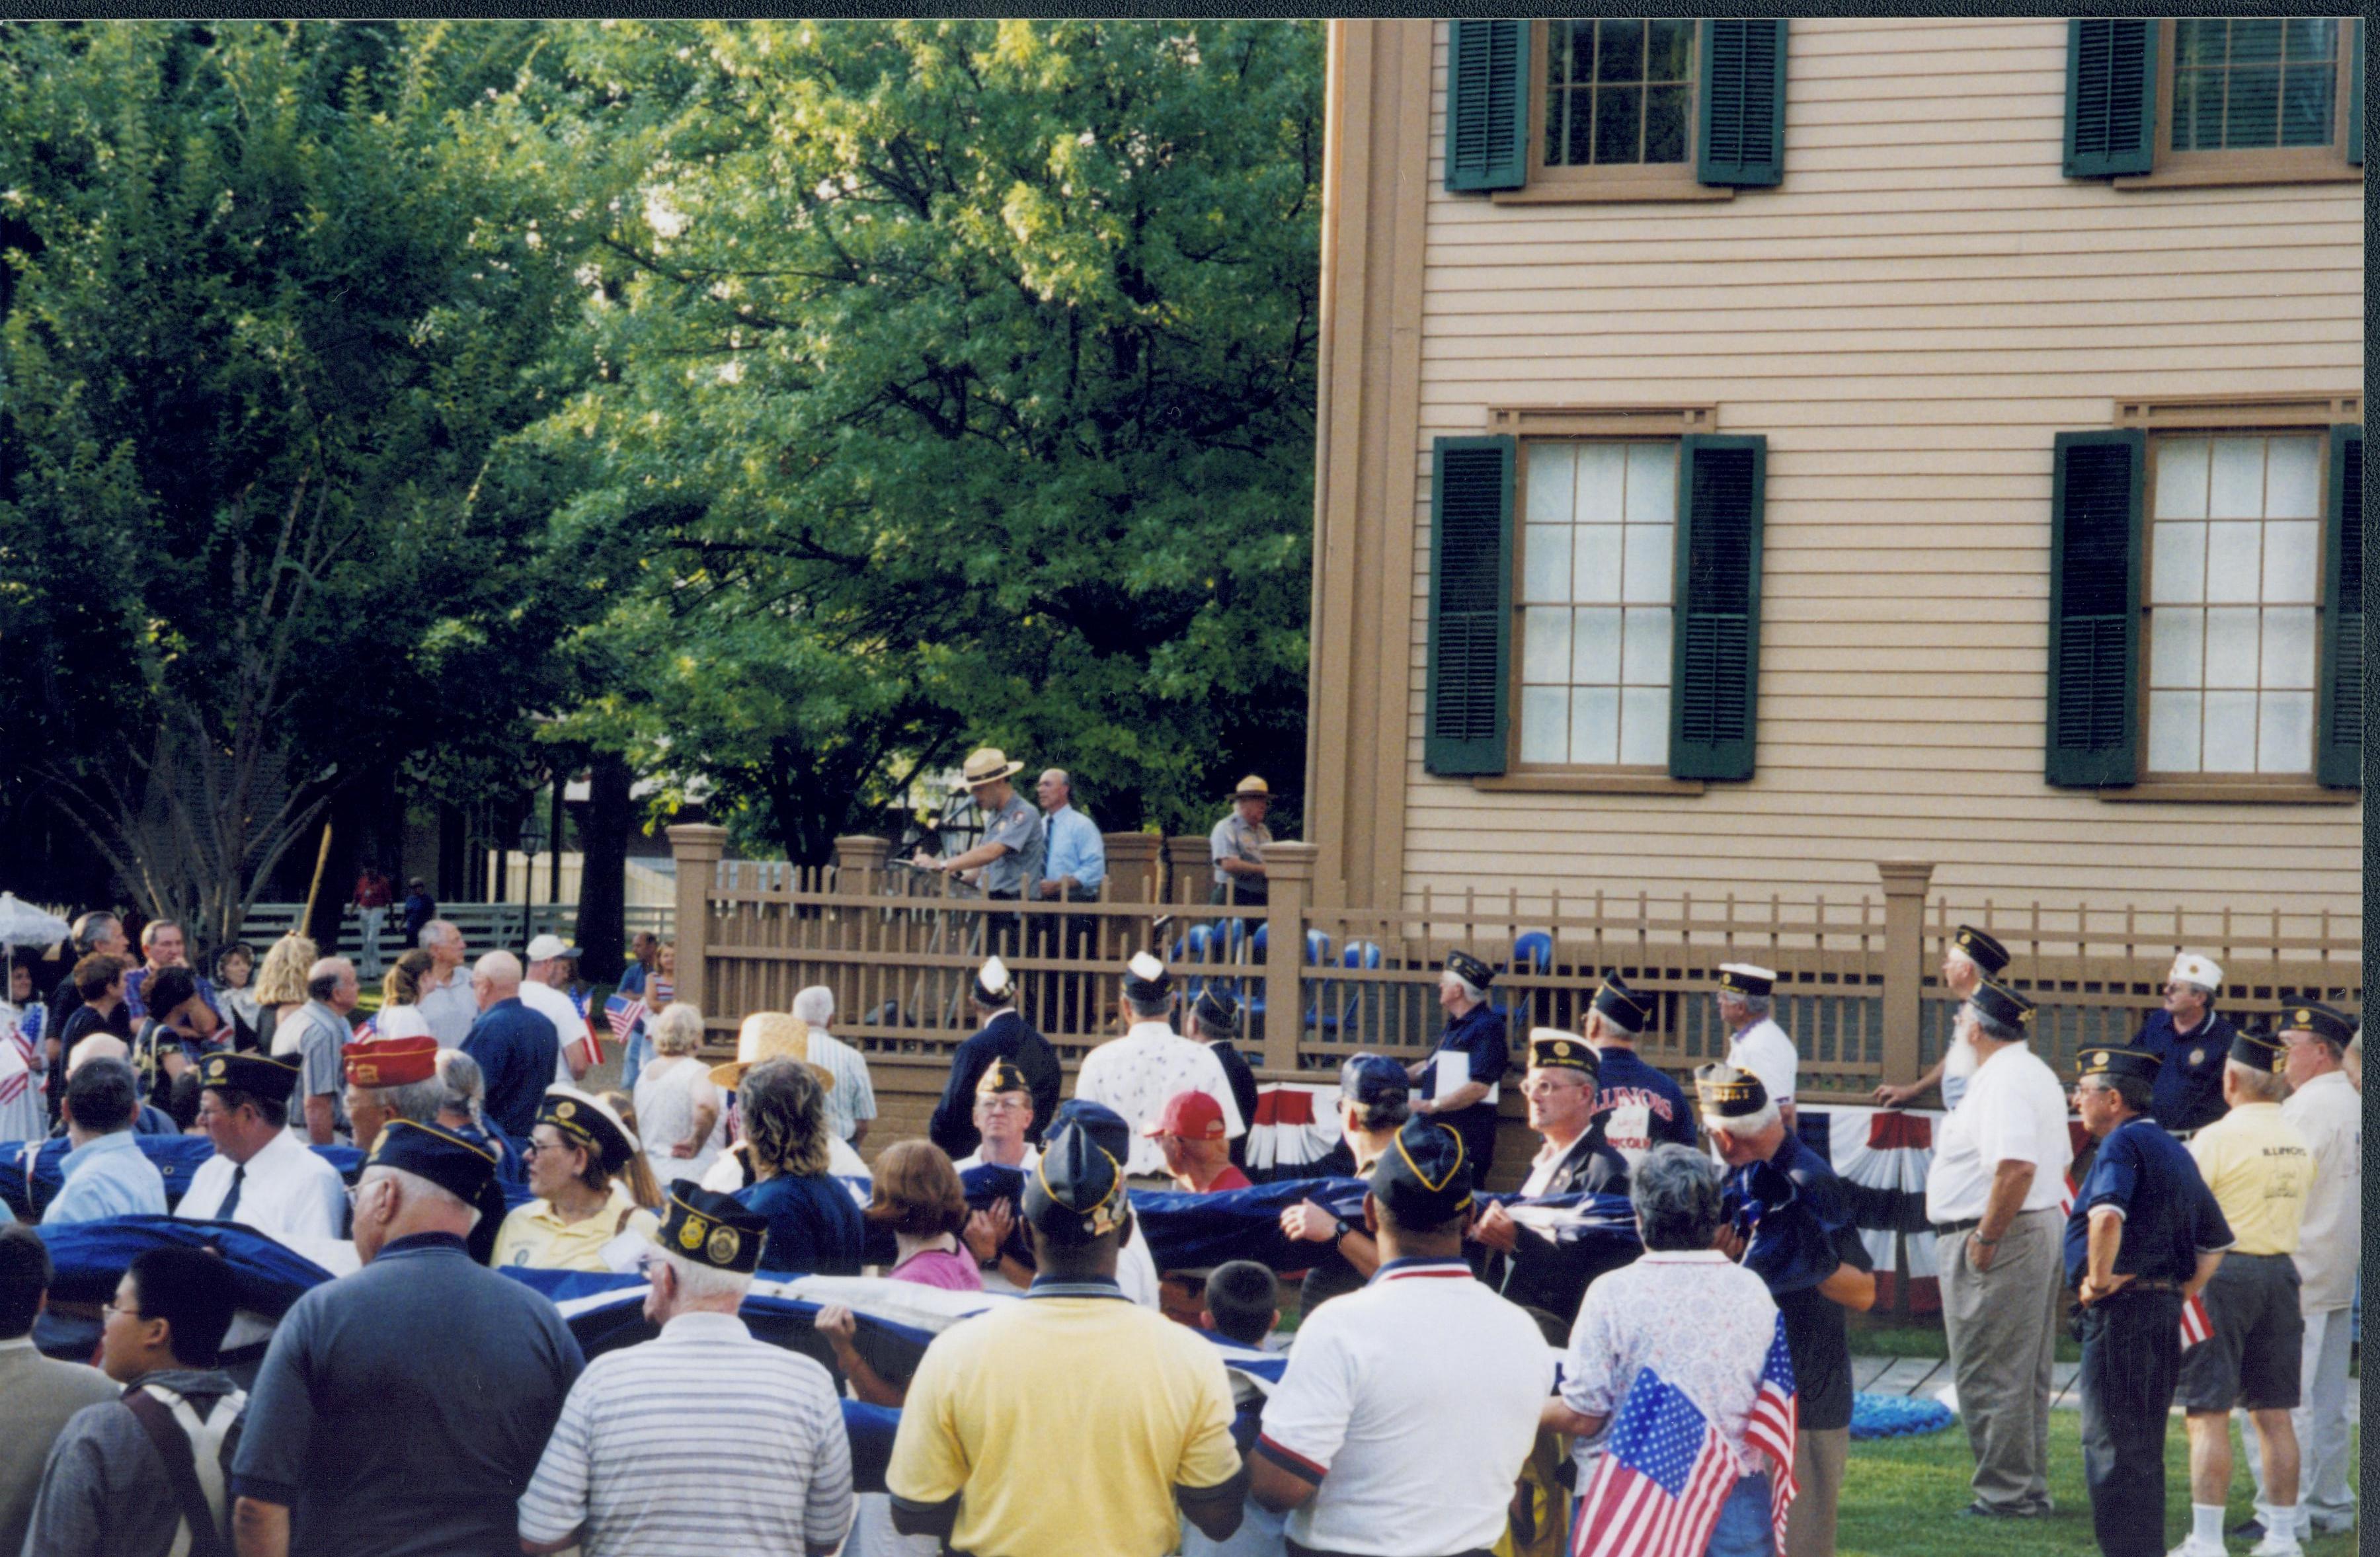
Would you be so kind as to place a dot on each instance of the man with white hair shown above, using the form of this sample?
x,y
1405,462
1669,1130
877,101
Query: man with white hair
x,y
474,1364
514,1045
1971,957
776,1472
1137,1074
1461,1082
446,1003
316,1038
850,1102
1757,1044
2189,1038
550,960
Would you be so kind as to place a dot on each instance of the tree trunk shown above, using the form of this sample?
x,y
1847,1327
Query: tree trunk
x,y
604,871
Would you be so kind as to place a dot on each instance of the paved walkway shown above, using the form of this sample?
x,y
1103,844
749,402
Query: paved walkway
x,y
1930,1376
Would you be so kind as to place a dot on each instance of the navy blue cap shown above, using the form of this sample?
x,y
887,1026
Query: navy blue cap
x,y
1106,1126
2256,1049
1075,1192
1216,1006
1616,1000
1370,1080
1423,1179
711,1229
461,1167
1470,969
2117,1061
260,1075
2005,1006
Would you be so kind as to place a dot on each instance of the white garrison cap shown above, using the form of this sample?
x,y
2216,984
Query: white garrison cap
x,y
993,979
1146,967
2193,968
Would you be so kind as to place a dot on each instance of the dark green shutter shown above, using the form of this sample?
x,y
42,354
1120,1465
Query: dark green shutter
x,y
1744,103
1470,605
2338,703
1715,653
1488,105
2094,608
2111,76
2355,103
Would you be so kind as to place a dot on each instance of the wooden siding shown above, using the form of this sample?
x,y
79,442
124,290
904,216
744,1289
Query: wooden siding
x,y
1909,319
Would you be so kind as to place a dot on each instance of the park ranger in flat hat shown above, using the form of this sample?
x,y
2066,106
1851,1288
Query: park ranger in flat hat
x,y
1237,845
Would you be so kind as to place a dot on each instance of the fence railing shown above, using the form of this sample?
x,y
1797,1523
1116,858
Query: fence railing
x,y
485,925
1858,983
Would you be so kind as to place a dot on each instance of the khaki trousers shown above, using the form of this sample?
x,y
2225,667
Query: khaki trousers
x,y
2002,1325
1819,1459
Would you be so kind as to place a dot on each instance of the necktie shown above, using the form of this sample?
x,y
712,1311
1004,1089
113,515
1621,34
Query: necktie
x,y
231,1201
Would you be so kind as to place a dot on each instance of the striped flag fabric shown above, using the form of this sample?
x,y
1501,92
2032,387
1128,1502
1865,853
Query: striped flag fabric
x,y
2195,1327
16,1067
1664,1474
594,1039
1776,1416
2066,1197
623,1012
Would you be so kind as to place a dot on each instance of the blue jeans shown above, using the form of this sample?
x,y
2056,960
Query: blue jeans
x,y
1744,1529
639,1049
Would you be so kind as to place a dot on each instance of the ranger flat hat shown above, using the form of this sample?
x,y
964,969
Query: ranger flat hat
x,y
1075,1192
1470,969
1552,1049
2002,1004
1623,1005
1001,1075
1746,979
2256,1049
986,764
1981,949
390,1061
258,1075
1423,1178
587,1120
2117,1060
2322,1021
1145,978
711,1229
461,1167
1252,788
1728,1093
2191,969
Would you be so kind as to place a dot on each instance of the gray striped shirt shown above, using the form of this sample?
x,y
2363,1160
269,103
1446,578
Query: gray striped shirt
x,y
852,1099
702,1442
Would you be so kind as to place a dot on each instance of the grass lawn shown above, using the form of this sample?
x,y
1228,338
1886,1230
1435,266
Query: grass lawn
x,y
1903,1495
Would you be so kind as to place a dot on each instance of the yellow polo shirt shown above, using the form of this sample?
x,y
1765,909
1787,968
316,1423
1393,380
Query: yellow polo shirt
x,y
532,1234
1064,1424
2260,1169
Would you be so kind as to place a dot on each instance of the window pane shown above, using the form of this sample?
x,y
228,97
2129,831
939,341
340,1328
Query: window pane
x,y
2256,42
2205,120
1545,725
2310,37
2252,116
1595,646
1594,725
1545,563
2231,648
2176,647
1557,100
1670,50
2231,560
1595,565
1582,51
1544,644
1645,659
1621,57
1652,483
2198,40
2285,733
2235,487
2228,739
1618,111
2173,732
2182,479
1665,123
1553,467
2290,561
2305,103
1651,549
2177,563
2293,479
2288,659
1645,725
1601,471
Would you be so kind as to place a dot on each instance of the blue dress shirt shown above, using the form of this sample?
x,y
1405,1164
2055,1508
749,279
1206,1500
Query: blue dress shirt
x,y
109,1176
1075,849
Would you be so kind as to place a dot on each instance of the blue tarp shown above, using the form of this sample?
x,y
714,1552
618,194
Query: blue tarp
x,y
90,1257
178,1158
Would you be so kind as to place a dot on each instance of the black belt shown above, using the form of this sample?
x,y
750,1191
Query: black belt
x,y
1953,1229
2141,1283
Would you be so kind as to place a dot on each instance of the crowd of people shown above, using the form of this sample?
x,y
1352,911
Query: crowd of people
x,y
1467,1373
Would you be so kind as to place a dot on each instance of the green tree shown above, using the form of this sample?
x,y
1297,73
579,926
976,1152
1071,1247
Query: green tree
x,y
952,382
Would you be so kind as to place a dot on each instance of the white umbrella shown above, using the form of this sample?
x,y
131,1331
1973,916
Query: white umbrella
x,y
21,924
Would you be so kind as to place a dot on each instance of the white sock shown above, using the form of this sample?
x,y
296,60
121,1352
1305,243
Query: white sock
x,y
2206,1524
2281,1523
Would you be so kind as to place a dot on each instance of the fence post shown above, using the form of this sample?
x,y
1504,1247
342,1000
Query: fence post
x,y
696,847
1132,867
1288,877
1190,868
1904,964
858,862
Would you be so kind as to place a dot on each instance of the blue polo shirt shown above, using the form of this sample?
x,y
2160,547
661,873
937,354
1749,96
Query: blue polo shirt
x,y
517,1052
2169,1214
109,1176
1624,1083
2188,1093
814,1225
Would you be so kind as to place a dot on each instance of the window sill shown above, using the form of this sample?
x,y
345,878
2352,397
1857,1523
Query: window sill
x,y
2216,792
1609,191
1586,783
2326,170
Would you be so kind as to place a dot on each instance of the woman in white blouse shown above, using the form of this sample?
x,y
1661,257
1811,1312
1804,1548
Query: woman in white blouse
x,y
400,996
676,1101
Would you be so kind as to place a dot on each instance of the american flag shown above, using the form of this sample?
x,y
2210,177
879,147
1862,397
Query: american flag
x,y
1776,1414
2195,1326
17,1063
623,1013
1665,1472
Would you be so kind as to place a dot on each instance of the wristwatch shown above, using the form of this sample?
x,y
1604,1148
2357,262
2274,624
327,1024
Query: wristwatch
x,y
1339,1230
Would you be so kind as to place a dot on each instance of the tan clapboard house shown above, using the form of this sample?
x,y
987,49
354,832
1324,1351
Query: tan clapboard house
x,y
1750,451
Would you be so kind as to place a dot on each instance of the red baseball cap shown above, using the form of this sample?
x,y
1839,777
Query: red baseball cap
x,y
1191,1116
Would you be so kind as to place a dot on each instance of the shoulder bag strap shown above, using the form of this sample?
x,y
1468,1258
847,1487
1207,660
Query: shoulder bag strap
x,y
157,1420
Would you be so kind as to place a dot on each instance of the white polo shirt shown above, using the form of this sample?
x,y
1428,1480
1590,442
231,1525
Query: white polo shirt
x,y
2328,1113
1414,1401
2013,1110
288,1193
569,1027
1765,1051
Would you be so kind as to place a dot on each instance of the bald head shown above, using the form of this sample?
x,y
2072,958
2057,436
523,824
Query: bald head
x,y
98,1046
332,980
496,977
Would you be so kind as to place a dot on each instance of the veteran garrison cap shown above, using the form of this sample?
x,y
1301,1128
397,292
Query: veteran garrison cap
x,y
1216,1006
1075,1192
1981,950
1423,1178
2003,1006
258,1074
589,1121
1746,979
1623,1005
993,987
2256,1049
711,1229
2334,1026
458,1165
1470,969
1728,1092
1373,1079
1108,1128
1001,1075
1145,978
390,1062
2116,1061
1553,1049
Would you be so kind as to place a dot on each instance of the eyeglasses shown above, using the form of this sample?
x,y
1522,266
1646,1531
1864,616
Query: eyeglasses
x,y
111,1307
1003,1105
1549,1089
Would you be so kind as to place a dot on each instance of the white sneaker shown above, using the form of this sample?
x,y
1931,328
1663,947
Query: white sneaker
x,y
2276,1545
2194,1547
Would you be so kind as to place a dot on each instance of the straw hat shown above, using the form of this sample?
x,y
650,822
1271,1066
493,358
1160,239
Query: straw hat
x,y
986,764
1252,788
768,1035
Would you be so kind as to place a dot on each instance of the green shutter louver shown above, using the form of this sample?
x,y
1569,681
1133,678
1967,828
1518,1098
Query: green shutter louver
x,y
1486,106
2094,608
1742,139
2338,712
2111,96
2355,103
1714,649
1470,605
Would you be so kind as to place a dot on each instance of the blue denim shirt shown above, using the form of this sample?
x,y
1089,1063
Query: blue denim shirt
x,y
110,1176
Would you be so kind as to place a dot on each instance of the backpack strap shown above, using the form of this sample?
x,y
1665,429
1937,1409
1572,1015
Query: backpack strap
x,y
159,1412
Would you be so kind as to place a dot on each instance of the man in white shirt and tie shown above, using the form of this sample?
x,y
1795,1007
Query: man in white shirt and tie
x,y
261,1176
